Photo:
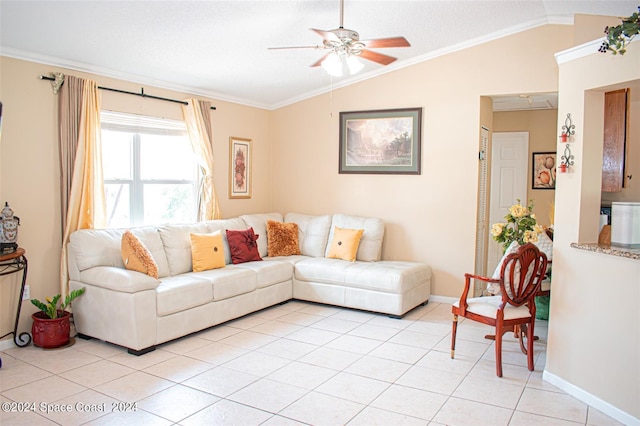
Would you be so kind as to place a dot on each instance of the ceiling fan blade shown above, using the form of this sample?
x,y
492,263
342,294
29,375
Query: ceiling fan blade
x,y
386,42
294,47
377,57
326,35
319,61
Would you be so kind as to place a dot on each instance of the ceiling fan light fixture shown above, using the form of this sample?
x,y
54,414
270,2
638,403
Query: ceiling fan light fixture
x,y
354,64
333,65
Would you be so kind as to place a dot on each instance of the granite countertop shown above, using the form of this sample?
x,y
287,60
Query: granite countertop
x,y
629,253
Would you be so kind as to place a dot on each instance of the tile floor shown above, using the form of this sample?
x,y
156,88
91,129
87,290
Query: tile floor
x,y
296,363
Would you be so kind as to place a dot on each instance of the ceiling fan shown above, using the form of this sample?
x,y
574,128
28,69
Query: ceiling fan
x,y
344,46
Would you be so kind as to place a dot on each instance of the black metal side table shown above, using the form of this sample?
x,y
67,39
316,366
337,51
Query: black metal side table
x,y
11,263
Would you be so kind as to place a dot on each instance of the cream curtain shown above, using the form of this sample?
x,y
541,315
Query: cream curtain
x,y
86,207
198,119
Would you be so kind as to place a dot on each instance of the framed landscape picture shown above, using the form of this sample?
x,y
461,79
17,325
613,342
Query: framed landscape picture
x,y
239,168
543,167
380,142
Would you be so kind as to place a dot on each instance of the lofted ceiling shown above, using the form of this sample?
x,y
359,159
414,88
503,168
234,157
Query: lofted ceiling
x,y
219,49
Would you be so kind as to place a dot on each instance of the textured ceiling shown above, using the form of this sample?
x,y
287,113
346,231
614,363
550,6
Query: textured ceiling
x,y
219,48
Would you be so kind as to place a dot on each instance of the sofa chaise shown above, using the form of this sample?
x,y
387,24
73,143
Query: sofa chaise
x,y
138,311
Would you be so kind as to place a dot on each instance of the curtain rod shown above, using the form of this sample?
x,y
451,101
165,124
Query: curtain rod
x,y
144,95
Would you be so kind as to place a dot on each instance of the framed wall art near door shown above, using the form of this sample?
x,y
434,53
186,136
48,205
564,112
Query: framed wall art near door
x,y
239,167
543,170
381,142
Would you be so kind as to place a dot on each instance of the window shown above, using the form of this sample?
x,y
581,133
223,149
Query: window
x,y
150,172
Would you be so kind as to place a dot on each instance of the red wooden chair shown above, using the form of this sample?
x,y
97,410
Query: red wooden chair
x,y
514,309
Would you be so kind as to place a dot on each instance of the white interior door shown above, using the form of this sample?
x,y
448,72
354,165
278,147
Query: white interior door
x,y
509,171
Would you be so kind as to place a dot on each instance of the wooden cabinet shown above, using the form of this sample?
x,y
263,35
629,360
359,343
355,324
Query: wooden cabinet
x,y
615,132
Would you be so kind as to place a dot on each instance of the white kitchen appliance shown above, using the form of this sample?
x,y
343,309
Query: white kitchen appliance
x,y
625,224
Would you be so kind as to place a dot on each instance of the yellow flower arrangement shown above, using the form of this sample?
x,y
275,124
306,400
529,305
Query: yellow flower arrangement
x,y
521,226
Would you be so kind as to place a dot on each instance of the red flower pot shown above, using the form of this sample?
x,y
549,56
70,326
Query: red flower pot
x,y
50,333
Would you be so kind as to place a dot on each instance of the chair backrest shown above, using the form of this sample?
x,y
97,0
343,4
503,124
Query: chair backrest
x,y
522,274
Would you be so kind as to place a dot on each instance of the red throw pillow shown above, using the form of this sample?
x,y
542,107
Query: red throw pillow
x,y
243,246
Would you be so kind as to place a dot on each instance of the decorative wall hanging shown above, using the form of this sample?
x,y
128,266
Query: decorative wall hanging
x,y
380,142
543,166
239,167
566,160
568,129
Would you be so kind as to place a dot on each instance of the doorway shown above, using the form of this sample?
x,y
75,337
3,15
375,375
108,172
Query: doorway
x,y
509,171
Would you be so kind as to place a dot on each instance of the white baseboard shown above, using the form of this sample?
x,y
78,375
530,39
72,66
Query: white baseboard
x,y
6,344
443,299
592,400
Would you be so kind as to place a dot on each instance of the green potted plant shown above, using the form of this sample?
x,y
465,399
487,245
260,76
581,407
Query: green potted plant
x,y
618,37
51,327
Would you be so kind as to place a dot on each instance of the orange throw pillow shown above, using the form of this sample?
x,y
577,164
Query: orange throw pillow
x,y
136,256
282,239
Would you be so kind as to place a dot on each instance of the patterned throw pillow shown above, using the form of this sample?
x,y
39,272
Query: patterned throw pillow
x,y
282,239
345,243
136,256
243,246
207,251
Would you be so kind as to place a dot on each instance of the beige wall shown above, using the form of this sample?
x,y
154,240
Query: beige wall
x,y
541,126
430,217
29,172
594,322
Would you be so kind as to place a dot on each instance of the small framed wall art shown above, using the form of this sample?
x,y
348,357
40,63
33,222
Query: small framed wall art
x,y
239,167
381,142
543,170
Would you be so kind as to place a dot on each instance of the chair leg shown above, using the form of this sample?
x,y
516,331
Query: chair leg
x,y
499,334
530,339
454,329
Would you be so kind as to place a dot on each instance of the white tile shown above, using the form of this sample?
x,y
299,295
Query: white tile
x,y
354,388
330,358
444,382
289,349
491,392
322,310
257,364
46,390
134,387
281,421
268,395
512,374
418,340
314,336
143,361
218,332
272,313
378,368
247,322
29,418
125,418
353,315
177,402
442,361
80,408
410,402
319,409
385,321
221,381
371,416
248,339
397,352
217,353
598,418
359,345
302,375
179,368
520,418
101,349
300,318
468,348
17,373
460,412
53,360
335,324
423,326
97,373
277,328
375,332
553,404
184,344
227,413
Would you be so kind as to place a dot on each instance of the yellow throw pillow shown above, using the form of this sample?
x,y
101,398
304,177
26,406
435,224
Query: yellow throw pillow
x,y
282,239
345,243
207,251
136,257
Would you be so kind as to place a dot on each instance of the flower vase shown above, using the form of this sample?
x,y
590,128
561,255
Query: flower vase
x,y
50,333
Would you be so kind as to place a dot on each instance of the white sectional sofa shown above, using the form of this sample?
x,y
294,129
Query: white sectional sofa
x,y
137,311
